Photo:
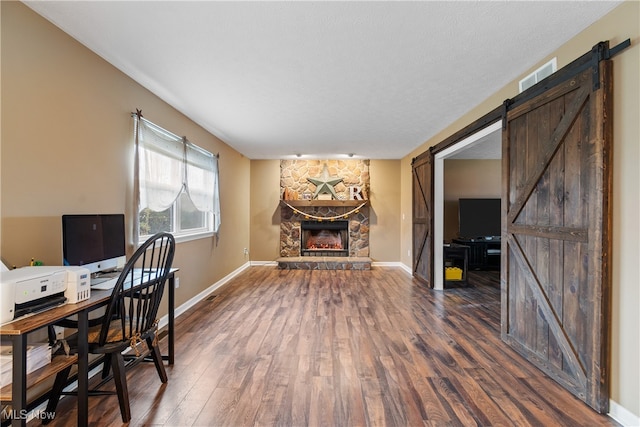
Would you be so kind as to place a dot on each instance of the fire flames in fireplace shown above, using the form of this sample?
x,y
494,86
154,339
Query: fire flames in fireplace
x,y
325,239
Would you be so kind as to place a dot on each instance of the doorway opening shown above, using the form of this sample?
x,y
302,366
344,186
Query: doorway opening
x,y
491,134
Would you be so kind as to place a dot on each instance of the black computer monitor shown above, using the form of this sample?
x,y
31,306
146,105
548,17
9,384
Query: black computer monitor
x,y
95,241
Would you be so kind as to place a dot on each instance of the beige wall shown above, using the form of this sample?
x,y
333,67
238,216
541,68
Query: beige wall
x,y
622,23
67,148
468,179
265,210
385,210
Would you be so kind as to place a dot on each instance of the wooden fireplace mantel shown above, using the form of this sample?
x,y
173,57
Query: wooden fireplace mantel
x,y
319,203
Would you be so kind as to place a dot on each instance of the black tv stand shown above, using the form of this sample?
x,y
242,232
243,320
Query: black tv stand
x,y
484,253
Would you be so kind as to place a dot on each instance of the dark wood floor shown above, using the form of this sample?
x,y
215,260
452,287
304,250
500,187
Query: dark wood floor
x,y
343,348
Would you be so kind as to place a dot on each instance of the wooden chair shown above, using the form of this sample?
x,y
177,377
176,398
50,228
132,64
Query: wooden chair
x,y
129,320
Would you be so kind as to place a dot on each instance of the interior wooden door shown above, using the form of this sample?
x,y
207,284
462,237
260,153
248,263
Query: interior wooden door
x,y
556,225
422,218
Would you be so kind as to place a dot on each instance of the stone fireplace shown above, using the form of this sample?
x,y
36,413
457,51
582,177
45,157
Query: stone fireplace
x,y
354,233
314,228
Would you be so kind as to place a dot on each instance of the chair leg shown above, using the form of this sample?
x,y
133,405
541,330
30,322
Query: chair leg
x,y
106,366
55,393
157,360
51,334
120,378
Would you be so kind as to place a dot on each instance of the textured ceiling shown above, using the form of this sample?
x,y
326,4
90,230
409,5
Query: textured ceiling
x,y
486,147
272,79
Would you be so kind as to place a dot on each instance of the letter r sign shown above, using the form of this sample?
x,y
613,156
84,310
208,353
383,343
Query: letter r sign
x,y
355,192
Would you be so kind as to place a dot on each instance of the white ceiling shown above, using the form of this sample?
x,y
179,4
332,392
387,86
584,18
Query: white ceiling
x,y
485,147
272,79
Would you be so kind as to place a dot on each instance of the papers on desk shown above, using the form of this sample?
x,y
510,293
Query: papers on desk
x,y
38,356
105,284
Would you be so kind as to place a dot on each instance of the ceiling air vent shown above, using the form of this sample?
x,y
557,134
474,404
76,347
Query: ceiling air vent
x,y
545,71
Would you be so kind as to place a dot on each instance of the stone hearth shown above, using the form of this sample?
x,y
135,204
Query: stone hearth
x,y
324,263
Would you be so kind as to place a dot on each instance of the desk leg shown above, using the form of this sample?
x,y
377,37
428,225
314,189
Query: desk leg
x,y
19,386
83,368
171,314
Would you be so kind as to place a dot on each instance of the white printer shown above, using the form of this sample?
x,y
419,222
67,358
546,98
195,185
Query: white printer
x,y
31,289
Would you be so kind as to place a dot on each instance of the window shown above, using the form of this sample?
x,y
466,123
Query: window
x,y
176,184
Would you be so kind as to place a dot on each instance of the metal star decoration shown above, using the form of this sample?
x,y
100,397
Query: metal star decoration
x,y
324,183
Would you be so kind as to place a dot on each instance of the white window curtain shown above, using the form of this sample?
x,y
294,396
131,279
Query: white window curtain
x,y
166,164
161,166
202,181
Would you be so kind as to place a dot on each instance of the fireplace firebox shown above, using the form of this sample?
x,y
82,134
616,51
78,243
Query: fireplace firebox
x,y
320,238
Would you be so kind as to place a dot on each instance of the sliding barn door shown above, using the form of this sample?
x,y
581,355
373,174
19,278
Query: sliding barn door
x,y
555,250
423,218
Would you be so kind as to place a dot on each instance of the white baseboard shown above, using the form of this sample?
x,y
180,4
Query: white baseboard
x,y
407,268
392,264
385,264
623,415
263,263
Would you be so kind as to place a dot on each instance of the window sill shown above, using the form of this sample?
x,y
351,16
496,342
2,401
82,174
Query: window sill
x,y
189,237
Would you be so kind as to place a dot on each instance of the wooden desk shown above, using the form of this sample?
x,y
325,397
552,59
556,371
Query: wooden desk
x,y
18,330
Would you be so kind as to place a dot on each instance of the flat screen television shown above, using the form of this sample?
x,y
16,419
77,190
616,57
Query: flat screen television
x,y
96,242
479,218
